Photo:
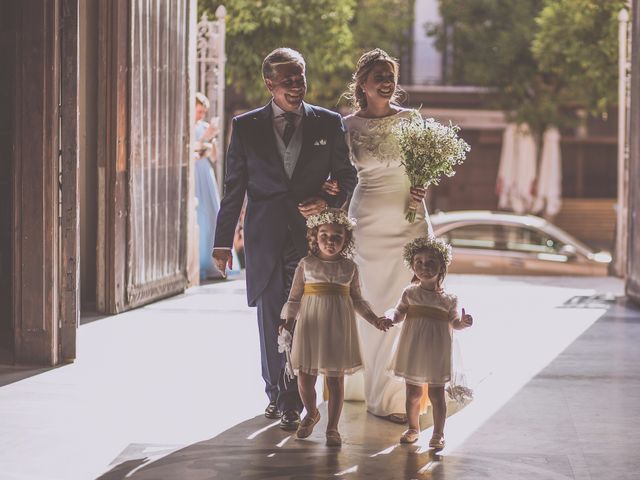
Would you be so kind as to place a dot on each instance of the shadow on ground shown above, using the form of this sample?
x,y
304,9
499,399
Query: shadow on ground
x,y
258,449
15,373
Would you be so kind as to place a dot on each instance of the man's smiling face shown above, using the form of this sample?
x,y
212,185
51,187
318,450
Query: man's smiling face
x,y
288,87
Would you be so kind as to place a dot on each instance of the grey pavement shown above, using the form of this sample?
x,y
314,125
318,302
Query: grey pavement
x,y
173,391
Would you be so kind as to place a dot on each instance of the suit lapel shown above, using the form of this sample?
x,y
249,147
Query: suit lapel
x,y
309,128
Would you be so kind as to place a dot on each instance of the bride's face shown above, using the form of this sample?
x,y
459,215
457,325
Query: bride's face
x,y
380,84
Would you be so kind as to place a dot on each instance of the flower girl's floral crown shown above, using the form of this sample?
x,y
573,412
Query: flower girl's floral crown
x,y
428,242
331,215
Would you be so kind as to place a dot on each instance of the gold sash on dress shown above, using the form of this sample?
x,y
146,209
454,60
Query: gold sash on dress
x,y
324,288
430,312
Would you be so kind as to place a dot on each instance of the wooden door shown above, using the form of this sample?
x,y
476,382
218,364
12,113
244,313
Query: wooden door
x,y
44,183
144,153
69,228
35,179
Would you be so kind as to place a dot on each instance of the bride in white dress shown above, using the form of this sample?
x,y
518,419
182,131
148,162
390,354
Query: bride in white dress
x,y
379,204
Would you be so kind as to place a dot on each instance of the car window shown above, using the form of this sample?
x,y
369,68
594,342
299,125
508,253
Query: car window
x,y
472,236
524,239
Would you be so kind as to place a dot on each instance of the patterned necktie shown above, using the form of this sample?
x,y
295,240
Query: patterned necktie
x,y
289,128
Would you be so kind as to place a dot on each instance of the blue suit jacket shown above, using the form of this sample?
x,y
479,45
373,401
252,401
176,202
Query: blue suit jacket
x,y
254,167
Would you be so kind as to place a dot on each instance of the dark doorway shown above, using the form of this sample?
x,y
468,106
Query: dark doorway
x,y
88,154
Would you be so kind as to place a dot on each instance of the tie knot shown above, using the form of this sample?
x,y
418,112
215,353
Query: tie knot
x,y
289,117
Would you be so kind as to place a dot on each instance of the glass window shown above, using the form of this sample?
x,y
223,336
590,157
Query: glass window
x,y
473,236
523,239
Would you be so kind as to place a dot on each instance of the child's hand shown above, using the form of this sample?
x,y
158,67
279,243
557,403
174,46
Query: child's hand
x,y
287,325
467,320
384,323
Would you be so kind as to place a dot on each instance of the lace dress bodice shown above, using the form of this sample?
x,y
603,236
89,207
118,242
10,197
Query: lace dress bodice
x,y
374,150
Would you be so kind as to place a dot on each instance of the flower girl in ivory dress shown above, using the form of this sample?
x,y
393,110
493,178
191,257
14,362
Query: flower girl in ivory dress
x,y
324,297
424,348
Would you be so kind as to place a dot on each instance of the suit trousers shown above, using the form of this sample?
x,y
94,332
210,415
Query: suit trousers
x,y
270,302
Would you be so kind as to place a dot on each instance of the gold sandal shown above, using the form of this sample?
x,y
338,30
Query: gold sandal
x,y
410,436
436,442
333,438
306,425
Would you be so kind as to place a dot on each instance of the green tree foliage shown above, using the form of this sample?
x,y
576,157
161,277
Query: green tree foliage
x,y
489,43
331,35
319,29
577,40
538,54
385,25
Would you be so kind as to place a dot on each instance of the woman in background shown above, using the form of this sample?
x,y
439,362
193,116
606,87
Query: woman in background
x,y
205,153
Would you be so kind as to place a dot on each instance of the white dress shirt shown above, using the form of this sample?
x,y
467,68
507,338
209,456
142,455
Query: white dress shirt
x,y
279,122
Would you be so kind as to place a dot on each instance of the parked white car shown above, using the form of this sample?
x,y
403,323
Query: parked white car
x,y
511,244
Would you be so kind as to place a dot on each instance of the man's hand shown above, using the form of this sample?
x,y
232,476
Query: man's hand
x,y
222,257
312,206
418,193
331,187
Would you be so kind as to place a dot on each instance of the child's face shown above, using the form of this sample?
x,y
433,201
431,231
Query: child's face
x,y
426,266
331,240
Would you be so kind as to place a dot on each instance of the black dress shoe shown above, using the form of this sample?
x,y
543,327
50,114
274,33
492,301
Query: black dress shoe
x,y
272,411
290,420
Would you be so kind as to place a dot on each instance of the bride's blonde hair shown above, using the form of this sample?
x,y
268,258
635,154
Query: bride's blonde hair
x,y
355,94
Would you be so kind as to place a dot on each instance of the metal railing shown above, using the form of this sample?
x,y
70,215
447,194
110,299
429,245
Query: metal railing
x,y
210,68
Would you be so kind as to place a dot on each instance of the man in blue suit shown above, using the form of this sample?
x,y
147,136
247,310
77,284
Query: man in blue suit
x,y
279,156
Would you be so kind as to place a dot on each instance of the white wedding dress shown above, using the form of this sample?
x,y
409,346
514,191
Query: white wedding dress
x,y
379,203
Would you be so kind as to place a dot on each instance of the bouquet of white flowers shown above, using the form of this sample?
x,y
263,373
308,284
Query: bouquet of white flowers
x,y
429,150
285,339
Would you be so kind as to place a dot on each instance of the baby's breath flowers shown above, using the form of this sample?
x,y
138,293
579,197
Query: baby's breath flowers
x,y
331,215
429,150
428,242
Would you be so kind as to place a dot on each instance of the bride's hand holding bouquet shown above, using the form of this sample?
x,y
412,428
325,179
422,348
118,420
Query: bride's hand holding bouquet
x,y
429,150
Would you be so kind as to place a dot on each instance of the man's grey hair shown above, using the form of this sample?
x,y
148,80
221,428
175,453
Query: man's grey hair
x,y
280,56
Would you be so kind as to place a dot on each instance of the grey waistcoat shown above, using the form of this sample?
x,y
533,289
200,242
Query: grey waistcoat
x,y
289,154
